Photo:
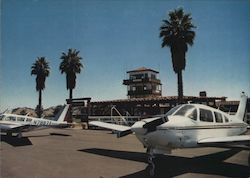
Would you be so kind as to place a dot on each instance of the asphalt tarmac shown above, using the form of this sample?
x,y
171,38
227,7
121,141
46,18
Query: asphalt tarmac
x,y
76,153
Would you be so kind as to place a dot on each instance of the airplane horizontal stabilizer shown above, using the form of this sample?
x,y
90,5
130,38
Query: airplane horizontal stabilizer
x,y
240,139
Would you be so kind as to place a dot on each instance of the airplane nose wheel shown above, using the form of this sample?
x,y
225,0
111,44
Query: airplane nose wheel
x,y
151,163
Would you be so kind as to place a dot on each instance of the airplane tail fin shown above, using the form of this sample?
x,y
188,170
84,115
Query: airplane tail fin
x,y
60,117
242,107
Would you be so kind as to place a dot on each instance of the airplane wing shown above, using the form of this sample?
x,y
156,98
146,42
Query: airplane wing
x,y
240,139
122,130
14,127
110,126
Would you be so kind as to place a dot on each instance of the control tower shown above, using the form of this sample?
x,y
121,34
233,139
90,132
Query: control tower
x,y
143,83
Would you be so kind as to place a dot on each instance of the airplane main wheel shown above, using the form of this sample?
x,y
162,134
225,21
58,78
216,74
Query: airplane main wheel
x,y
20,135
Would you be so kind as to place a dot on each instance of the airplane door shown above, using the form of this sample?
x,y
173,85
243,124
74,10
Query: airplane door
x,y
180,137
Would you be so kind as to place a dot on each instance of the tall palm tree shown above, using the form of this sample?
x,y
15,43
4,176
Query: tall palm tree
x,y
71,65
177,33
41,69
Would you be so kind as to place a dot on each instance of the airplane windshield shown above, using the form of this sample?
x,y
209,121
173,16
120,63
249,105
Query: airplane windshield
x,y
171,111
187,111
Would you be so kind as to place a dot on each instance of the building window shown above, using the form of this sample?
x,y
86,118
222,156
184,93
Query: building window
x,y
153,76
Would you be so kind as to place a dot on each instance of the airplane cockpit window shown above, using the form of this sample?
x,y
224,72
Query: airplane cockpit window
x,y
187,111
218,117
206,115
171,111
1,117
10,118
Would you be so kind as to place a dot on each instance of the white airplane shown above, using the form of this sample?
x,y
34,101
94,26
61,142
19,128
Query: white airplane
x,y
12,123
186,126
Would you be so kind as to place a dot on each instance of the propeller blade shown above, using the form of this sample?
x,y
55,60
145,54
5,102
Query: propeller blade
x,y
124,133
151,126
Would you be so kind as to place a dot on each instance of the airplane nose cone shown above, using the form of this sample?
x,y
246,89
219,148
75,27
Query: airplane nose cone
x,y
138,128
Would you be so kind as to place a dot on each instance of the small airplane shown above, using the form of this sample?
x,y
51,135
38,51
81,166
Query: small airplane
x,y
13,123
186,126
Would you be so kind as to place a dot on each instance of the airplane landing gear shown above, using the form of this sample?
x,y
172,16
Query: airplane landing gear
x,y
151,162
19,135
9,134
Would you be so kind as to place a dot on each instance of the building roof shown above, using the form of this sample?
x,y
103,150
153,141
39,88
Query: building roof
x,y
142,69
229,102
159,99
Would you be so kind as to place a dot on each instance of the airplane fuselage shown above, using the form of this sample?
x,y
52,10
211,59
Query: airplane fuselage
x,y
183,131
8,122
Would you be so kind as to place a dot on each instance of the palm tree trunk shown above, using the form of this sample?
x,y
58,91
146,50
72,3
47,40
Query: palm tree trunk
x,y
40,104
70,93
180,86
69,119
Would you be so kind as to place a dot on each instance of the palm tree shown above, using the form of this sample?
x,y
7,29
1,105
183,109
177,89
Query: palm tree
x,y
41,69
177,33
71,65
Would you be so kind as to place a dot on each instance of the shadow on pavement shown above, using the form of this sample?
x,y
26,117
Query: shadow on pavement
x,y
170,166
15,141
60,134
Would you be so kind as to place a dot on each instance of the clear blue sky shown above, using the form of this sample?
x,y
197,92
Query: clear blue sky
x,y
116,36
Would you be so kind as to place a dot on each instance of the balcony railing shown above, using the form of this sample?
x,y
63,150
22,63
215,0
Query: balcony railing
x,y
141,80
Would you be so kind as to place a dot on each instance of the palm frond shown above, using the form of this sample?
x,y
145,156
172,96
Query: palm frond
x,y
70,65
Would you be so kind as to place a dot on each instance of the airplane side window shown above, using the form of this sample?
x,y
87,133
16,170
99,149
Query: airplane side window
x,y
12,118
28,120
7,118
193,115
206,115
226,119
218,117
20,119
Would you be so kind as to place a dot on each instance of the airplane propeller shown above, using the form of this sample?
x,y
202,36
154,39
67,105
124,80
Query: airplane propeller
x,y
151,126
143,127
124,133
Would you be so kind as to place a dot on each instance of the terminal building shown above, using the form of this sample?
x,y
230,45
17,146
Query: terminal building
x,y
144,92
